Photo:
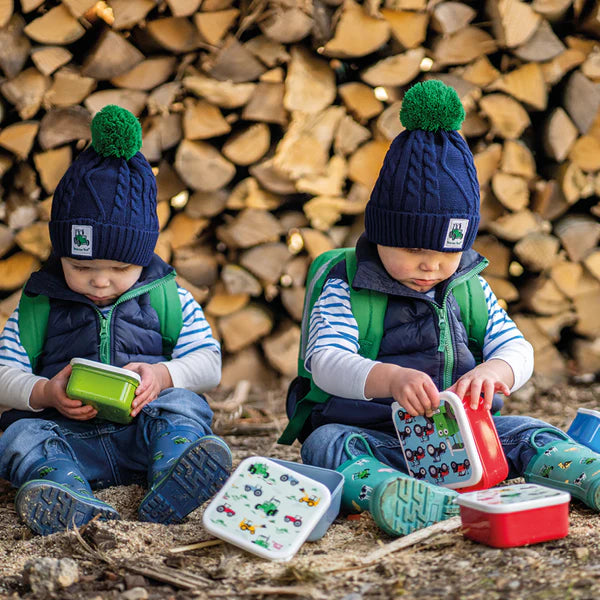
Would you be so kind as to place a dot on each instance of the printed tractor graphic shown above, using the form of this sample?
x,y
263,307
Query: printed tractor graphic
x,y
255,489
246,525
364,474
456,234
286,477
262,541
445,423
258,469
310,500
45,471
226,508
270,507
80,239
296,520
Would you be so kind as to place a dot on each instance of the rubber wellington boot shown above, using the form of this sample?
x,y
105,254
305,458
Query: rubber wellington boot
x,y
57,497
566,465
397,502
186,471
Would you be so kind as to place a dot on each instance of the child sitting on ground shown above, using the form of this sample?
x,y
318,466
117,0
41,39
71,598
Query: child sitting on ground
x,y
420,223
96,287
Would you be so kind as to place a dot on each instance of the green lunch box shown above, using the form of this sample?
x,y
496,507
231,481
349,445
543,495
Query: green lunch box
x,y
110,390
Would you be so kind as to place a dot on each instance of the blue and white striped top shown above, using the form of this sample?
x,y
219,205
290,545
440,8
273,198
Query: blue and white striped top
x,y
333,327
195,334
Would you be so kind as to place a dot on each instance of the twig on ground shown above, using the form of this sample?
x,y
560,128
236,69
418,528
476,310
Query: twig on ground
x,y
411,539
195,546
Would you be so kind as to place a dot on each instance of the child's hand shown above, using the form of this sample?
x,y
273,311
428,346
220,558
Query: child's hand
x,y
155,378
52,393
412,389
491,376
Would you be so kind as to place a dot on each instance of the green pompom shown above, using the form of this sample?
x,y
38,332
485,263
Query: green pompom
x,y
116,132
432,105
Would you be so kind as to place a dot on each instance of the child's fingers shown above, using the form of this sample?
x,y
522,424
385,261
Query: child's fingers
x,y
475,393
488,394
82,414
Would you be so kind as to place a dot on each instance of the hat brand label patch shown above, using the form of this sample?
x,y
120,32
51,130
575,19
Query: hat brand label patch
x,y
457,230
81,240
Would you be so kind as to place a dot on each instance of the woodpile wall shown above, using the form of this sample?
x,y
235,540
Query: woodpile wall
x,y
267,122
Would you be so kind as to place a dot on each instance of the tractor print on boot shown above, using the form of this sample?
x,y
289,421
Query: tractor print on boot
x,y
56,497
186,471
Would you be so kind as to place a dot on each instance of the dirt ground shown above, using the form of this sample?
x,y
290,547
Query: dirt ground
x,y
354,560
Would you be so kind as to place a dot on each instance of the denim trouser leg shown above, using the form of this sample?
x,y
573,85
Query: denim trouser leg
x,y
514,433
324,447
107,453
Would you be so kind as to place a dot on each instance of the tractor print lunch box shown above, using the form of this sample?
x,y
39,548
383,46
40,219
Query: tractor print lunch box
x,y
267,508
457,447
515,515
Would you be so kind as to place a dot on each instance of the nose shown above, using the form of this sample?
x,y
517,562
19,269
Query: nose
x,y
430,263
100,280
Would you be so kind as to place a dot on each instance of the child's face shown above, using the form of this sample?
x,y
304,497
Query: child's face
x,y
102,281
416,268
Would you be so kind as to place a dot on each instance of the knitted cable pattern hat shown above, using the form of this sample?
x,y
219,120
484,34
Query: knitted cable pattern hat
x,y
427,193
105,204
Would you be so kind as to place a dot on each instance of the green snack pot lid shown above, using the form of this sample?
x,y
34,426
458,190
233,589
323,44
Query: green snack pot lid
x,y
84,362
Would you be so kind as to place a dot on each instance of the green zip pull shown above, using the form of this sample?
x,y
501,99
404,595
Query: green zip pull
x,y
104,339
442,326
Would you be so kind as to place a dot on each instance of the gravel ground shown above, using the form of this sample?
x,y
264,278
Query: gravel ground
x,y
130,560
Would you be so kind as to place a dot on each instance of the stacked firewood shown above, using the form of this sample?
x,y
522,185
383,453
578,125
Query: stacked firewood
x,y
267,122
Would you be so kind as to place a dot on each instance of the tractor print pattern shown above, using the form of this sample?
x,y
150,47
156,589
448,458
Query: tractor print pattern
x,y
433,447
265,504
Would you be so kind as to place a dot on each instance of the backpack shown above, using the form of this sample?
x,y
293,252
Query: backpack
x,y
34,312
368,308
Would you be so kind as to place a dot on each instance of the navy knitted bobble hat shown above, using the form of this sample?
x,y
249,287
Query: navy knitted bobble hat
x,y
427,193
105,204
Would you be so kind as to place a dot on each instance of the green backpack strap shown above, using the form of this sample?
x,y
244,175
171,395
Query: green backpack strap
x,y
33,324
34,312
369,310
164,299
473,311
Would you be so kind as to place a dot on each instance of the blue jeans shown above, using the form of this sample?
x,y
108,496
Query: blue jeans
x,y
107,453
324,447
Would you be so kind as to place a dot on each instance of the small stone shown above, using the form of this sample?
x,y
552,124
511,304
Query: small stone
x,y
582,553
136,593
48,575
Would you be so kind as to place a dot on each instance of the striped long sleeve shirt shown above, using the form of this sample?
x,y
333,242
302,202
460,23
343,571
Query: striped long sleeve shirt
x,y
337,368
195,363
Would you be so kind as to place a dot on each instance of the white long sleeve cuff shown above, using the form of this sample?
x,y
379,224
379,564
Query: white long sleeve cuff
x,y
341,373
518,353
16,386
197,371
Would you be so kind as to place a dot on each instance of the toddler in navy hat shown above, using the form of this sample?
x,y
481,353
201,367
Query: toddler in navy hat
x,y
105,296
387,326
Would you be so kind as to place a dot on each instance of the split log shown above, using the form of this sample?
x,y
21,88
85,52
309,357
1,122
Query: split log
x,y
112,56
513,22
64,125
508,118
202,167
214,25
175,34
356,34
281,349
14,47
244,327
202,120
69,88
57,26
16,269
248,145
